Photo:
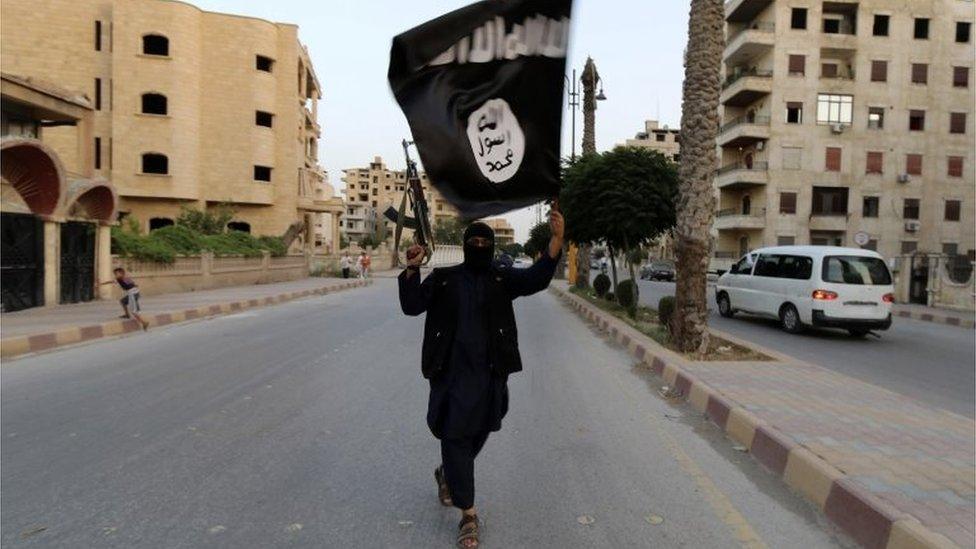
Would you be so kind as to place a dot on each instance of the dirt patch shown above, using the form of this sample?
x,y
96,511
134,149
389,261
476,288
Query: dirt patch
x,y
646,322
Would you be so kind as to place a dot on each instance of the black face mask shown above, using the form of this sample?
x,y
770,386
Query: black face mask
x,y
475,257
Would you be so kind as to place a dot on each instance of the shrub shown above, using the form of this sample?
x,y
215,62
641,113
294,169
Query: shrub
x,y
601,284
665,310
141,247
273,244
608,296
627,296
182,239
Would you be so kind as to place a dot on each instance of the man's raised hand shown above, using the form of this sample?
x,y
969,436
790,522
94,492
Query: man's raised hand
x,y
415,255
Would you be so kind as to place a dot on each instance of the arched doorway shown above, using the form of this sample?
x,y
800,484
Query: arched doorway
x,y
159,223
241,226
747,161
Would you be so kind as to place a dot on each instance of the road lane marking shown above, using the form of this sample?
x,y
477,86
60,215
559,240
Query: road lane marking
x,y
720,503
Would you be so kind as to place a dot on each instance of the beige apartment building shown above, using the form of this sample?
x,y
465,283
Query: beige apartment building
x,y
191,108
664,140
370,191
504,233
847,123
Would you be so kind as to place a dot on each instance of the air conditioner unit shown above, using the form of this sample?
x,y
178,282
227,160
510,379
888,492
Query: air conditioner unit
x,y
912,226
760,145
904,178
836,128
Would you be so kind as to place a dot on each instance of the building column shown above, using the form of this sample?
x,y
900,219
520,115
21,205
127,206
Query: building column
x,y
103,260
52,261
336,236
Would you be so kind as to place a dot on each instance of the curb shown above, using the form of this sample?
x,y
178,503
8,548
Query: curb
x,y
937,318
12,347
871,522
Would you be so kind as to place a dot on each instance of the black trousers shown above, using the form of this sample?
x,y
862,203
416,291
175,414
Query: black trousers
x,y
345,272
457,457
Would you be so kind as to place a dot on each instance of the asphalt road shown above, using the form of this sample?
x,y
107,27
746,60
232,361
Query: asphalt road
x,y
923,360
302,425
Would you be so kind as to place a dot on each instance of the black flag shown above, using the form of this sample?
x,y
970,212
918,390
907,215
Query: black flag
x,y
482,91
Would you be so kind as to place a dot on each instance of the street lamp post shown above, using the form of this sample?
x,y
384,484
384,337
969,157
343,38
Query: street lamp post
x,y
573,93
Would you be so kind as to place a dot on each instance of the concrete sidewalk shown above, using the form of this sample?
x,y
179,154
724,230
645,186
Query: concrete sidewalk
x,y
890,471
963,319
48,327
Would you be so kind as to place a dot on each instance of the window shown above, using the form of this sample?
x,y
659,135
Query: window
x,y
742,267
916,120
962,31
262,173
659,137
792,158
834,109
871,245
921,28
913,164
159,223
797,64
908,247
98,36
155,163
855,269
263,63
875,162
950,248
957,122
828,70
832,161
785,240
876,118
794,112
787,203
870,206
154,103
831,25
952,209
375,190
920,73
960,77
910,208
262,118
98,94
155,44
880,25
241,226
879,71
797,267
829,201
955,166
798,18
98,153
768,266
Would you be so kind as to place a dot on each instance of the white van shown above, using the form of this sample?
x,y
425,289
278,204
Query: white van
x,y
821,286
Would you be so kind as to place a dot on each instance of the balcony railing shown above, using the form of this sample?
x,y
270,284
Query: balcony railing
x,y
764,26
732,78
756,120
720,254
756,166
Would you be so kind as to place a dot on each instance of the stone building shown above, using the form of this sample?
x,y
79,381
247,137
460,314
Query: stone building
x,y
191,108
504,233
664,140
847,123
55,237
371,190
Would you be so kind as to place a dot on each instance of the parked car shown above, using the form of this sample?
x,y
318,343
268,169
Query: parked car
x,y
820,286
522,262
658,270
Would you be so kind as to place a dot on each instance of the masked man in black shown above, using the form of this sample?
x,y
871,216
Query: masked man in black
x,y
470,347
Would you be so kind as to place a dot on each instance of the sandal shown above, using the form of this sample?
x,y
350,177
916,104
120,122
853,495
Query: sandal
x,y
468,531
443,493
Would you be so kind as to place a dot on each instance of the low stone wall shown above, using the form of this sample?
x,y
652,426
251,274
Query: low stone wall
x,y
206,272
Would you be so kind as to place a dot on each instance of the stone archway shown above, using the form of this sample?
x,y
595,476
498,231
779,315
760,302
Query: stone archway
x,y
95,199
35,172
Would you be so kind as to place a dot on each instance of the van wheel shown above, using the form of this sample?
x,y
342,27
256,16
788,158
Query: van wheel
x,y
725,306
789,319
858,333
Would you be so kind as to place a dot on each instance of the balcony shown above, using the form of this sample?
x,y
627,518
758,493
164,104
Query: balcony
x,y
739,176
745,87
828,221
743,131
748,43
741,11
733,219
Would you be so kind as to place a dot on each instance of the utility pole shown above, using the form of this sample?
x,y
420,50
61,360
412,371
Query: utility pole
x,y
573,93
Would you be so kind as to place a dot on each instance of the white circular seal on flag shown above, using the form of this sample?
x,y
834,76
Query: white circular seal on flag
x,y
496,140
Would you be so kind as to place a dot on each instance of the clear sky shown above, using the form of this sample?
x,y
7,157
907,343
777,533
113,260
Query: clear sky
x,y
637,46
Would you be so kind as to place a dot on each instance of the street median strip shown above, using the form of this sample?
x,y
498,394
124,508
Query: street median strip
x,y
867,519
11,347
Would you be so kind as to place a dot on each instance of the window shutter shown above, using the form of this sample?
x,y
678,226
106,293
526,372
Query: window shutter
x,y
960,77
957,122
797,64
828,70
875,161
787,203
920,73
913,164
879,71
833,159
955,166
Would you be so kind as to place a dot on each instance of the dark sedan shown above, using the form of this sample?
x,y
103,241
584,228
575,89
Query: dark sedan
x,y
658,270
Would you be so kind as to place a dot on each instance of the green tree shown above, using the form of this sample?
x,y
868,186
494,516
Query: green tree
x,y
538,240
449,231
514,249
623,198
211,221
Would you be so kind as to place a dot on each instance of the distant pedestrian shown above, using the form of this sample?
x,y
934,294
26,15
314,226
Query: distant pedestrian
x,y
130,297
364,263
345,263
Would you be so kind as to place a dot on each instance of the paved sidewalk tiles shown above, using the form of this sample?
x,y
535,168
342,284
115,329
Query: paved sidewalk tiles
x,y
888,470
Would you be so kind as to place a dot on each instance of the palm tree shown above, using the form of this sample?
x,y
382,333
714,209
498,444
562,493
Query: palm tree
x,y
590,77
699,126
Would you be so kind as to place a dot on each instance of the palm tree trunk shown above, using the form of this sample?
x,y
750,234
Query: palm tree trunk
x,y
695,209
613,268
